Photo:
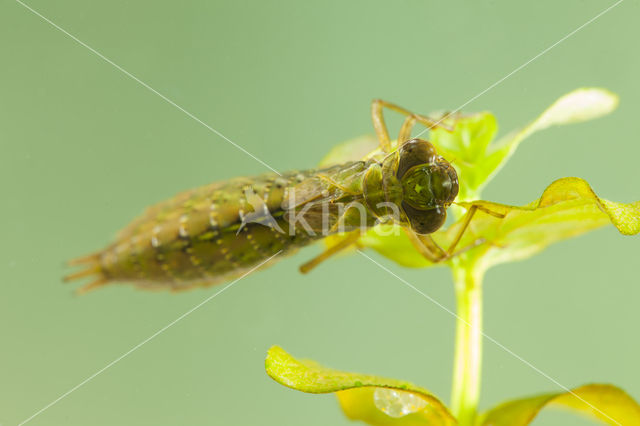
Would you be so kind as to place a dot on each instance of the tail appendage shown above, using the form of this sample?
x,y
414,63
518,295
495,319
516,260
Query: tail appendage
x,y
93,268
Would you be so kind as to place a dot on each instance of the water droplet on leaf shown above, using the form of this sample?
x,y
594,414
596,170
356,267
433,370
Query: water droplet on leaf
x,y
397,403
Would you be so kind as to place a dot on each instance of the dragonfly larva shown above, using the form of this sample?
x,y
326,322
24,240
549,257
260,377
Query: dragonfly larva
x,y
217,232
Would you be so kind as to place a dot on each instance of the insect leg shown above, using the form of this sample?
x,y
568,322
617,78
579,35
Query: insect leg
x,y
377,116
381,128
347,241
428,248
426,245
406,129
465,224
491,212
410,122
431,251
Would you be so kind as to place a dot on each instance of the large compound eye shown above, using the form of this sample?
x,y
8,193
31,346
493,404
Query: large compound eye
x,y
453,178
425,221
444,183
413,153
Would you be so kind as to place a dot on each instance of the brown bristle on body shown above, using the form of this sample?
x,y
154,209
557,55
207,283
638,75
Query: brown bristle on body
x,y
91,270
99,282
90,258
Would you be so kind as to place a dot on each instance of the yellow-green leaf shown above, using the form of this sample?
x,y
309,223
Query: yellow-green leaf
x,y
567,208
466,148
577,106
606,403
394,244
580,105
477,159
374,400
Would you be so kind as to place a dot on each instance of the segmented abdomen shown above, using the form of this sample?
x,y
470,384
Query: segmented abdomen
x,y
198,238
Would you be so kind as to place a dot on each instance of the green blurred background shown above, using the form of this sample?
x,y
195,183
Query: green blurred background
x,y
84,149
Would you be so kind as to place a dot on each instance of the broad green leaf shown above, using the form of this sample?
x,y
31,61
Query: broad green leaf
x,y
580,105
466,147
477,160
374,400
577,106
567,208
606,403
392,242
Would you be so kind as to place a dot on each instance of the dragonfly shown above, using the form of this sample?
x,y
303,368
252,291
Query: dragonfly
x,y
221,231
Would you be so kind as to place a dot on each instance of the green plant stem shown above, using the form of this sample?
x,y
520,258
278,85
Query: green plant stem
x,y
468,349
